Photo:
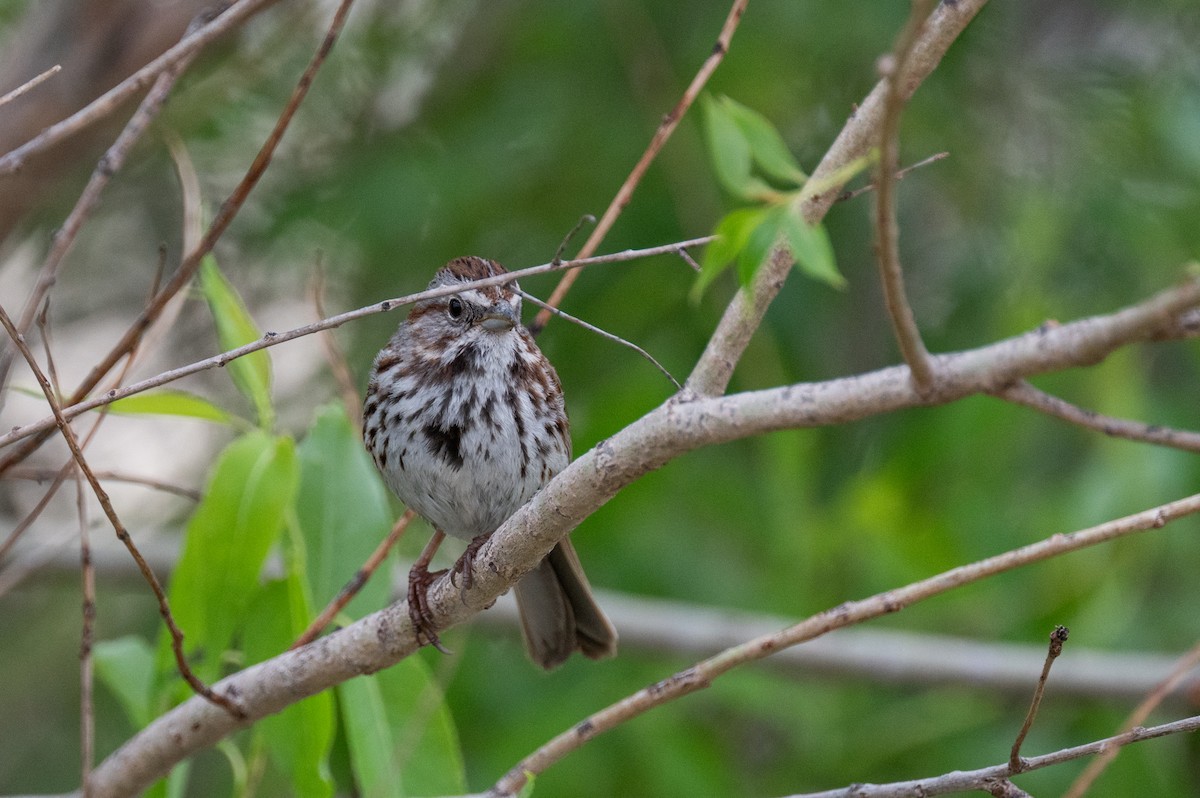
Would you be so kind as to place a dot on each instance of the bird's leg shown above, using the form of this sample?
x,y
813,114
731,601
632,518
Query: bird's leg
x,y
419,580
466,563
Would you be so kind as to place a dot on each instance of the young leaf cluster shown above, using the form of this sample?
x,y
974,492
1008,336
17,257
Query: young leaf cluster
x,y
753,164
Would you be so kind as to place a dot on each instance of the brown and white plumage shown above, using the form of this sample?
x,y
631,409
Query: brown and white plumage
x,y
465,418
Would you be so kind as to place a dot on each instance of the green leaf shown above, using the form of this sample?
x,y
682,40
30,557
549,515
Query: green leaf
x,y
171,403
732,232
299,738
369,738
767,147
250,373
228,538
811,248
728,147
400,734
343,511
126,667
426,744
759,243
839,177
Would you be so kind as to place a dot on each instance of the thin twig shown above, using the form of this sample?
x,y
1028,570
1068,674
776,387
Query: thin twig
x,y
967,780
1006,789
87,717
744,314
272,339
122,534
37,510
665,129
87,573
686,630
30,84
42,474
587,218
872,656
351,588
603,334
64,471
334,354
851,612
887,231
110,163
1023,393
689,260
1057,638
846,196
59,477
1183,666
225,214
43,321
229,17
676,427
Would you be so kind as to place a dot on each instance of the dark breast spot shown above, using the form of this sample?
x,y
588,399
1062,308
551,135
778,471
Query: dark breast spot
x,y
466,361
488,414
445,443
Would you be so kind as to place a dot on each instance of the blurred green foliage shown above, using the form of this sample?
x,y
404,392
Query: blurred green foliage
x,y
1072,188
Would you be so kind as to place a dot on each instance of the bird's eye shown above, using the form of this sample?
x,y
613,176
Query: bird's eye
x,y
454,308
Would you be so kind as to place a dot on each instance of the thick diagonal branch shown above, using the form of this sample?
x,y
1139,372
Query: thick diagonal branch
x,y
385,637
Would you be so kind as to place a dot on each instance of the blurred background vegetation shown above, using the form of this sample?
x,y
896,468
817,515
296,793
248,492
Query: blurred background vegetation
x,y
442,129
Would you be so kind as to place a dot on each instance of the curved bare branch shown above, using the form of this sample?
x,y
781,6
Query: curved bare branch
x,y
676,427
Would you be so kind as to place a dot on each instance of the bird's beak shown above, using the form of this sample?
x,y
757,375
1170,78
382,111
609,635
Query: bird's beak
x,y
501,317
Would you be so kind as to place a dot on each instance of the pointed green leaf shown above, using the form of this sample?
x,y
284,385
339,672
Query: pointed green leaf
x,y
759,243
369,738
728,148
126,667
767,147
427,747
228,538
400,734
732,232
343,511
812,250
170,403
250,373
299,738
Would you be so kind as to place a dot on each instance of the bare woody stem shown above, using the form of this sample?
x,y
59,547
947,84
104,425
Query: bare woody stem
x,y
678,426
225,214
961,781
122,534
703,673
745,312
87,710
665,129
273,339
1023,393
230,17
887,231
1057,638
351,588
1183,667
30,84
110,163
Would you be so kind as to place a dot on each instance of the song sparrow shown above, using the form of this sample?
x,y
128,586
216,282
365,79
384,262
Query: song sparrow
x,y
465,419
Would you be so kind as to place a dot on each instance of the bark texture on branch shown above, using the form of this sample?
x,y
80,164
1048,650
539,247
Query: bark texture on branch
x,y
678,426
